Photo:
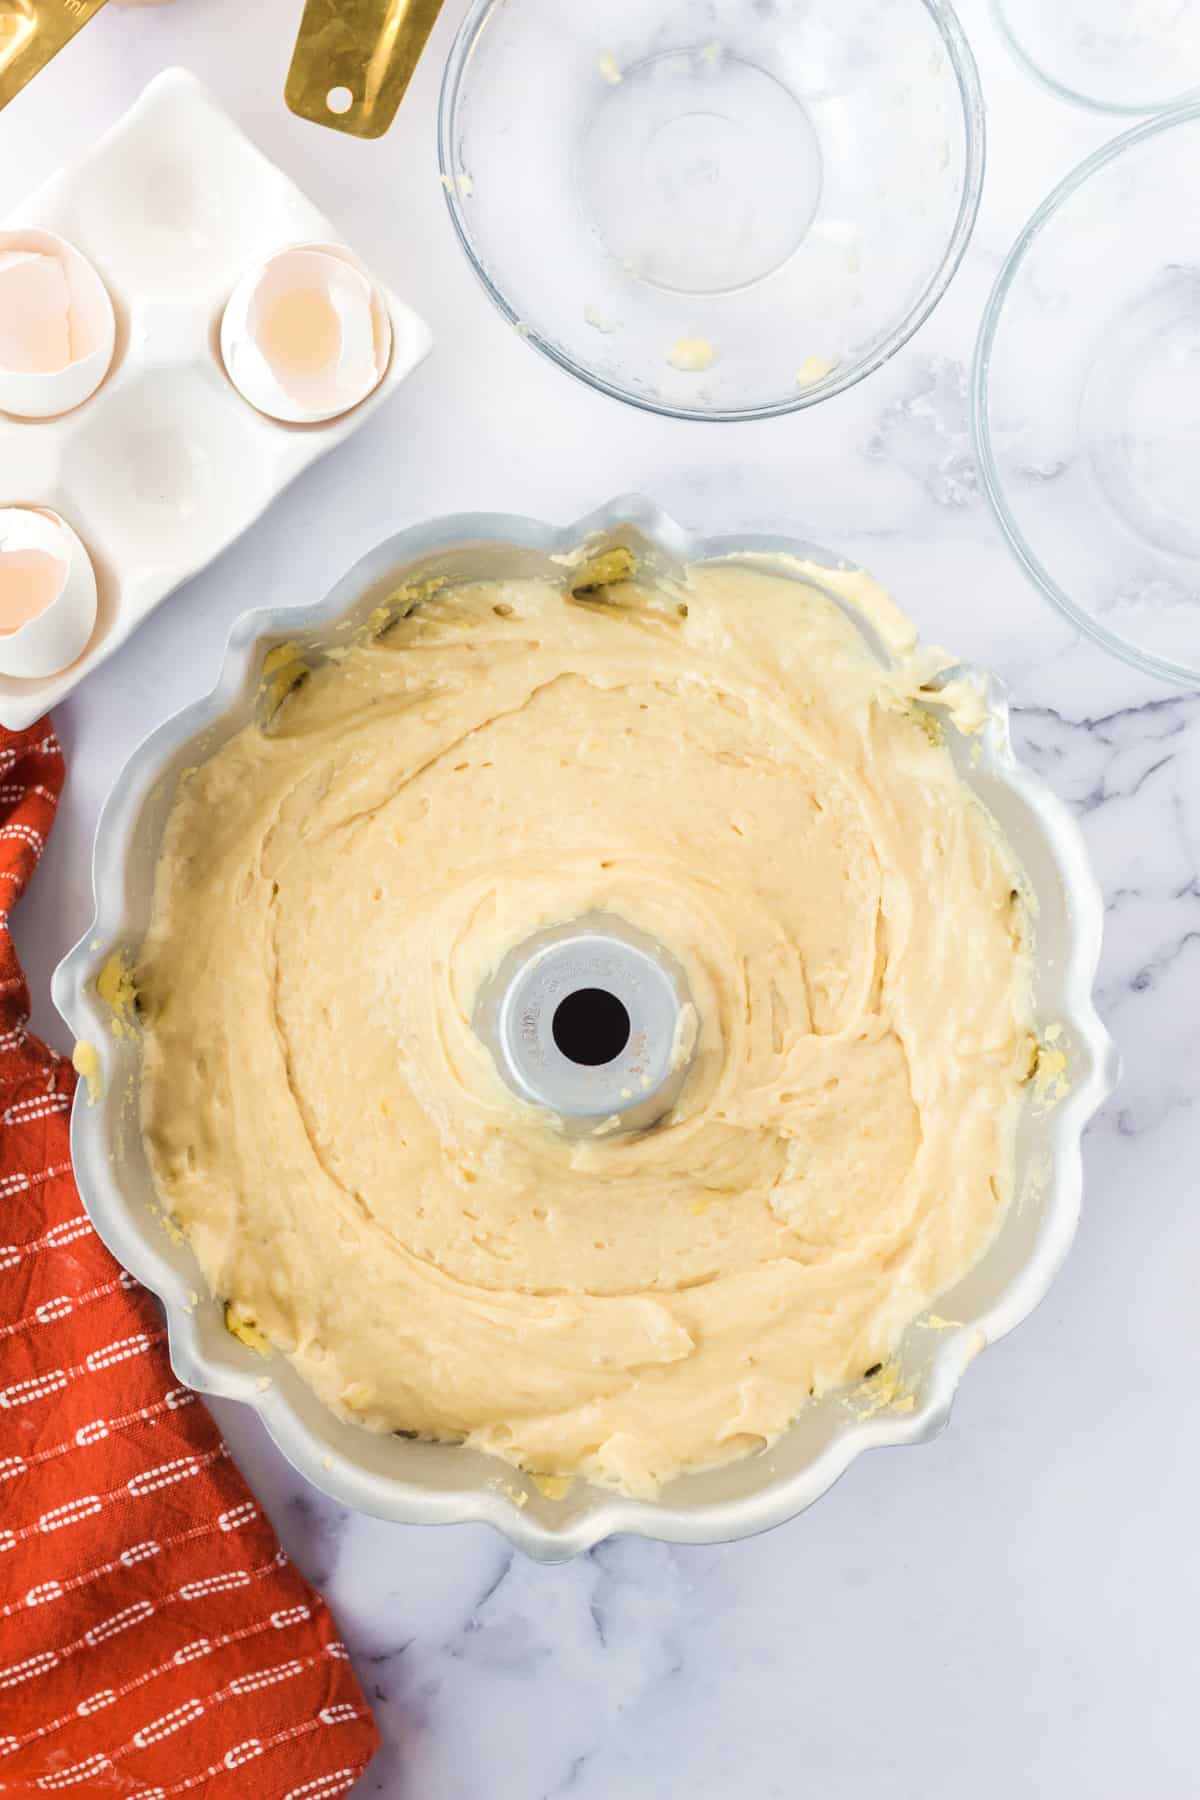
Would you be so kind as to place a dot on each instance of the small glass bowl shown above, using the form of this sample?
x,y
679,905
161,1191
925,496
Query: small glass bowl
x,y
1121,56
1086,397
712,209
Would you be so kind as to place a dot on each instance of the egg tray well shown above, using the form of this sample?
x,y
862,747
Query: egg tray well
x,y
166,463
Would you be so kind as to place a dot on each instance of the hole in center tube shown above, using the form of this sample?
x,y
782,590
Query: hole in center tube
x,y
591,1026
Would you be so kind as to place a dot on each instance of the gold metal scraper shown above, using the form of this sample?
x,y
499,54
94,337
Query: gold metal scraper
x,y
31,32
354,59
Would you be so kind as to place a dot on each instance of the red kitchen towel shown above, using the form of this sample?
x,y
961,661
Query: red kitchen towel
x,y
154,1639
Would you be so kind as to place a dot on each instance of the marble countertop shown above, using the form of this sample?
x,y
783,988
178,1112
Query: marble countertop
x,y
1010,1610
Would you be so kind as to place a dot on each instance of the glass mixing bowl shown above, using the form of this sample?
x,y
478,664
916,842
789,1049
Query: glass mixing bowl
x,y
710,208
1086,397
1123,56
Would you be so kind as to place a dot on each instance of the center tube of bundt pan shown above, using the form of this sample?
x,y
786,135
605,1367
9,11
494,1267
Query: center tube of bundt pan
x,y
592,1021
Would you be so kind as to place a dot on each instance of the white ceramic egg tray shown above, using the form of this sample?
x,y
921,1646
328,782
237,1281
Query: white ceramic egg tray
x,y
166,464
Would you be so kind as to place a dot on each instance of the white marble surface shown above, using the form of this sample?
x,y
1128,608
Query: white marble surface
x,y
1009,1611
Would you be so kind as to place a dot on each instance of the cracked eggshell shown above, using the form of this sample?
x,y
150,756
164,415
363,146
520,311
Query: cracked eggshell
x,y
310,391
32,393
56,636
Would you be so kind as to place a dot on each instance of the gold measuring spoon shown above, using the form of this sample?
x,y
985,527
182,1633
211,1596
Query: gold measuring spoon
x,y
354,59
31,32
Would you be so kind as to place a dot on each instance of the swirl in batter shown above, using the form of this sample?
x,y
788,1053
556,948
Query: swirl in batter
x,y
728,767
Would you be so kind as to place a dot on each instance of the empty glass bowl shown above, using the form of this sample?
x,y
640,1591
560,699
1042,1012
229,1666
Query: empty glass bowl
x,y
1086,397
1125,56
713,208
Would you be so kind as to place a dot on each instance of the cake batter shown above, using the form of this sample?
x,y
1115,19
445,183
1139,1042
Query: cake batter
x,y
724,764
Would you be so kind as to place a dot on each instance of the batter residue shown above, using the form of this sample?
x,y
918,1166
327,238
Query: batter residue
x,y
725,765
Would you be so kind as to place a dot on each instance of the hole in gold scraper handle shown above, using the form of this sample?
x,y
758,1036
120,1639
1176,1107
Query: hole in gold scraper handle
x,y
31,32
354,59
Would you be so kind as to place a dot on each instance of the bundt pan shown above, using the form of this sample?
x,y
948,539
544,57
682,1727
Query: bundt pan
x,y
423,1483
